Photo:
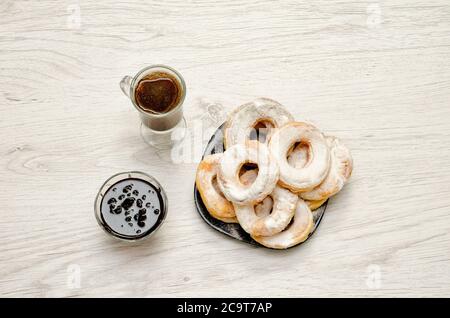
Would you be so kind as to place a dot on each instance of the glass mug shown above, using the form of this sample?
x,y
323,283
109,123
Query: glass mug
x,y
160,129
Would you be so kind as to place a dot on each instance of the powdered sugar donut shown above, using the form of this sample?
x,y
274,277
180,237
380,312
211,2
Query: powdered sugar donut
x,y
206,180
341,167
284,203
298,158
230,164
262,112
316,169
216,204
295,233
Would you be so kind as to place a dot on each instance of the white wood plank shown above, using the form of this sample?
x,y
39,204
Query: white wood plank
x,y
375,73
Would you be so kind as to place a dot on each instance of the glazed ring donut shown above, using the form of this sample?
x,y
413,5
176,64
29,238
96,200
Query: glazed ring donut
x,y
246,118
315,170
295,233
298,158
284,203
206,181
341,167
229,167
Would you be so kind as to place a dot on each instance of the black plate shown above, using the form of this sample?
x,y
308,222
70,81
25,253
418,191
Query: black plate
x,y
234,230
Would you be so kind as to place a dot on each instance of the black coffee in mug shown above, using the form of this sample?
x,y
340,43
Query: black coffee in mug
x,y
158,92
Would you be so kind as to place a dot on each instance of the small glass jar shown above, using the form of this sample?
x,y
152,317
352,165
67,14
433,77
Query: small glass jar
x,y
131,206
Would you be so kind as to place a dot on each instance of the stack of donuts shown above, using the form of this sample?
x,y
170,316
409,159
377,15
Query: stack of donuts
x,y
273,174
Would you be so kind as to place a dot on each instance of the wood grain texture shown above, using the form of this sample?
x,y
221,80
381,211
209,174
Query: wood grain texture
x,y
375,73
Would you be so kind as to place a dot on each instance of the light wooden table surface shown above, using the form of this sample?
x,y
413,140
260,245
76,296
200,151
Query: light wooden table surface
x,y
375,73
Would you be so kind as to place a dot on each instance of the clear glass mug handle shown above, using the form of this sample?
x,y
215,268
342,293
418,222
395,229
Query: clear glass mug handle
x,y
125,85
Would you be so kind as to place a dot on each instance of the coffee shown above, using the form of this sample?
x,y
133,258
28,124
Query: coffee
x,y
158,92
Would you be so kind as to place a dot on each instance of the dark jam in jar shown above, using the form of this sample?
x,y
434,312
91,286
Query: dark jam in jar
x,y
132,216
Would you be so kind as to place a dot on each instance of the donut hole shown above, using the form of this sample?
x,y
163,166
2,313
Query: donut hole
x,y
261,130
265,207
299,155
245,168
216,185
290,224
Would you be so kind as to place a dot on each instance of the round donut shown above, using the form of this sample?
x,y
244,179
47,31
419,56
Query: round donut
x,y
230,165
246,119
295,233
284,203
315,170
341,167
206,181
298,158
